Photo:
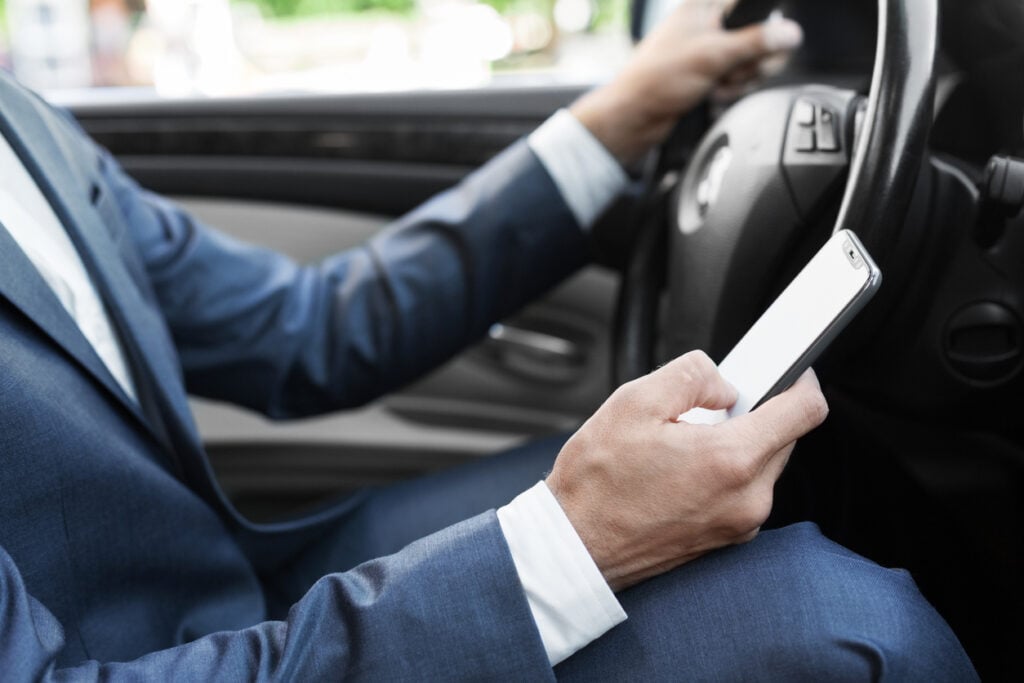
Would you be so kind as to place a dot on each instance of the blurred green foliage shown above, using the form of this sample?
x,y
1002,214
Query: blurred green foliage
x,y
608,11
304,8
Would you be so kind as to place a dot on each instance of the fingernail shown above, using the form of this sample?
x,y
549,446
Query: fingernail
x,y
782,34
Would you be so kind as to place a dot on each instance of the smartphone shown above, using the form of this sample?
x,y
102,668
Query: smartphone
x,y
747,12
826,295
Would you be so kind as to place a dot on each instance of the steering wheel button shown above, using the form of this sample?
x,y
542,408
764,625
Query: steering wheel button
x,y
805,140
804,113
827,139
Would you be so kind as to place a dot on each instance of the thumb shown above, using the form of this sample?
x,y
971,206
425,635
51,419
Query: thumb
x,y
690,381
724,51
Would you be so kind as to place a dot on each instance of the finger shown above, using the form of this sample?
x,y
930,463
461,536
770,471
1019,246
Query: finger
x,y
723,51
747,537
742,75
737,84
728,94
774,65
690,381
783,419
762,488
779,34
716,11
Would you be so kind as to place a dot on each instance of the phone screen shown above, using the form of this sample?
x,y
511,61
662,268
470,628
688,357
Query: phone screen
x,y
831,289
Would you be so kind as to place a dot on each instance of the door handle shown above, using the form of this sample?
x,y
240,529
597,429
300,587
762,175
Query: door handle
x,y
543,347
536,356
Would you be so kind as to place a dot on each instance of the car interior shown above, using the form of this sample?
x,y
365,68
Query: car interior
x,y
898,119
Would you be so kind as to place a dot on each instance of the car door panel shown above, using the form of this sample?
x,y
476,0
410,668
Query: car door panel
x,y
319,175
379,153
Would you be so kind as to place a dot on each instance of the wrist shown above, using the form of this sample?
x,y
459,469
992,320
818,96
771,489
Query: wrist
x,y
588,529
624,129
568,597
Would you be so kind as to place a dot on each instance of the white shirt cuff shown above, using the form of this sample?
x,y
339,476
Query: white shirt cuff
x,y
568,597
585,172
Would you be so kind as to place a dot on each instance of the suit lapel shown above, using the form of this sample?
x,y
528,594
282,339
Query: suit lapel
x,y
24,287
141,330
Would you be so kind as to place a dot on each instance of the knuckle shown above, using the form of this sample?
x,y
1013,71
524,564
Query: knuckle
x,y
738,524
813,407
574,450
698,367
752,513
748,537
737,469
701,360
760,507
628,393
705,59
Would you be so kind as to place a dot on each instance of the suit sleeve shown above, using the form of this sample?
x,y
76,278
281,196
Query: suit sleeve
x,y
256,329
389,619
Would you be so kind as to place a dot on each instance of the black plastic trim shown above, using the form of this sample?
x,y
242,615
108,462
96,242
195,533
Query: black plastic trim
x,y
386,188
383,153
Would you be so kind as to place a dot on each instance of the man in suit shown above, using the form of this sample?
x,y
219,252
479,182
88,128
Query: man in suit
x,y
120,557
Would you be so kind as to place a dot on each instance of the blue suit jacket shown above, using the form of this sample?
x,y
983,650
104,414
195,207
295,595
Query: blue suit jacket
x,y
116,543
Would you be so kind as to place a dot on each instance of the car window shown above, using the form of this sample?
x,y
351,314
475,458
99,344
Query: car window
x,y
243,47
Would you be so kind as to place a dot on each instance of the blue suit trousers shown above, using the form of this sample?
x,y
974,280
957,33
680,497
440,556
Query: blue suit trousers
x,y
789,606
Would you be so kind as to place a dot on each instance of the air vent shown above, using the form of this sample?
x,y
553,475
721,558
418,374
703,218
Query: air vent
x,y
984,344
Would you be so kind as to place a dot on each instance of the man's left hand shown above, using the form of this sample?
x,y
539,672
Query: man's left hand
x,y
675,67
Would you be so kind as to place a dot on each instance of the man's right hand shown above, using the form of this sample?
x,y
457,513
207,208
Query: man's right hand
x,y
646,493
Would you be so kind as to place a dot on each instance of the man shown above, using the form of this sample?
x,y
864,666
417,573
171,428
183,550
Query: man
x,y
121,558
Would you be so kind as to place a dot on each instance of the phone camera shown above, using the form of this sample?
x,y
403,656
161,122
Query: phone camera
x,y
852,255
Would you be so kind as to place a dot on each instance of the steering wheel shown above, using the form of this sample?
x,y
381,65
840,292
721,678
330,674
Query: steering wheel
x,y
743,216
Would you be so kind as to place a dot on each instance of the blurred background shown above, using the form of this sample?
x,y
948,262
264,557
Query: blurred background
x,y
185,48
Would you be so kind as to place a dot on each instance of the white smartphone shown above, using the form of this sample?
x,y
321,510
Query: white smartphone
x,y
831,289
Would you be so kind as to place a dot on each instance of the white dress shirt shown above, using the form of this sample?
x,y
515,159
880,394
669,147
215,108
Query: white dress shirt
x,y
569,599
31,221
571,603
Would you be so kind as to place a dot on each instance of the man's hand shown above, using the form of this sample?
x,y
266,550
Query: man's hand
x,y
673,69
646,493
